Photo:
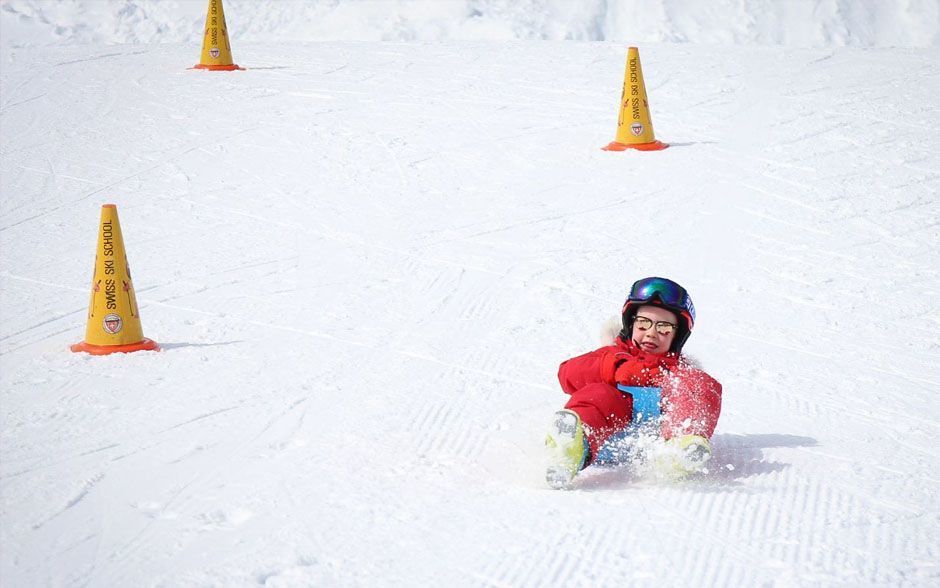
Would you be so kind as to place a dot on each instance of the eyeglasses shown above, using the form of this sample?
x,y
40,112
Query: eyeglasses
x,y
662,327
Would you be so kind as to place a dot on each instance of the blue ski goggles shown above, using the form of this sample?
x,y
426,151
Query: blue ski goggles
x,y
667,291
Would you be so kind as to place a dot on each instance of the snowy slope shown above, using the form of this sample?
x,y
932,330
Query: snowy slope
x,y
365,261
793,23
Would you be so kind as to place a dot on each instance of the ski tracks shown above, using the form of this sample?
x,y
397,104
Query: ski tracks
x,y
207,502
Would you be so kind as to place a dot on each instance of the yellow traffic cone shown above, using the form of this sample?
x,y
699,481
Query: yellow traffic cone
x,y
113,317
634,125
216,50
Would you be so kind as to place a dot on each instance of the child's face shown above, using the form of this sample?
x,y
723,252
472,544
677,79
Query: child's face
x,y
646,332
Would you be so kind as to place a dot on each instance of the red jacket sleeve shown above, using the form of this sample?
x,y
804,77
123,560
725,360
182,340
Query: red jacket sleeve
x,y
583,369
691,404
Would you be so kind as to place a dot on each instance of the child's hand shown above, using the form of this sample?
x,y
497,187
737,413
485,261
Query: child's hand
x,y
609,364
669,362
635,371
643,369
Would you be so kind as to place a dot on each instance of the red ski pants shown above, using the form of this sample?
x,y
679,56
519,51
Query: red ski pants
x,y
603,409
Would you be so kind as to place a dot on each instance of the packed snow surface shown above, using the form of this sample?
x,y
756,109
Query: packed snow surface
x,y
364,262
794,23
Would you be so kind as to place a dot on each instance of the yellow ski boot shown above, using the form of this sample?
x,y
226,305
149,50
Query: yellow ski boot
x,y
567,449
684,455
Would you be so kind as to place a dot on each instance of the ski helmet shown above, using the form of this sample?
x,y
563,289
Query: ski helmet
x,y
664,293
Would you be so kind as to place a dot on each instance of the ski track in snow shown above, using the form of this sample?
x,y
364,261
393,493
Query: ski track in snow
x,y
365,262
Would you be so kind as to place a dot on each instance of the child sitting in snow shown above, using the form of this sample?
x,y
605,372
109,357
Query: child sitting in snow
x,y
646,359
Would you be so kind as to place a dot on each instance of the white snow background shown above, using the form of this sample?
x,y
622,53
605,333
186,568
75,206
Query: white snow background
x,y
366,255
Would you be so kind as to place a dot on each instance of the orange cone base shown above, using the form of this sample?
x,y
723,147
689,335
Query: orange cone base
x,y
651,146
143,345
232,67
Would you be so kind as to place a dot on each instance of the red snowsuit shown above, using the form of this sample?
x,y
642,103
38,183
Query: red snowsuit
x,y
691,399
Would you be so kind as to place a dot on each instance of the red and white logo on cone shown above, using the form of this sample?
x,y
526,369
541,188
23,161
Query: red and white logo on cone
x,y
112,323
214,52
636,129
